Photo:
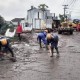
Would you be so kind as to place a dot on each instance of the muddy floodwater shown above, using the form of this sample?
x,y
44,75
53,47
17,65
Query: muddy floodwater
x,y
34,63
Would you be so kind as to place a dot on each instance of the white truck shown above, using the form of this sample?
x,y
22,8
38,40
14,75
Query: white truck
x,y
27,27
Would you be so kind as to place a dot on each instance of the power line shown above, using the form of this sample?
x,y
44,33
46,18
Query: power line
x,y
69,2
72,1
72,5
78,1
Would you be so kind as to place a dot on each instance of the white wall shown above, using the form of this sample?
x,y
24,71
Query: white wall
x,y
15,23
28,28
49,23
37,23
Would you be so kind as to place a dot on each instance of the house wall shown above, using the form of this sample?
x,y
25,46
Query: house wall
x,y
38,19
15,23
24,27
49,23
22,23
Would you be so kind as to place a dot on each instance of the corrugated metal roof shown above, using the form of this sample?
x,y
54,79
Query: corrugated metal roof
x,y
17,19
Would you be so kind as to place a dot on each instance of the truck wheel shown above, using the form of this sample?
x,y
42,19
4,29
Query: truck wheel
x,y
71,32
59,32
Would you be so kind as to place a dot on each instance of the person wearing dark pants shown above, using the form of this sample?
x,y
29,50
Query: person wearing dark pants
x,y
52,50
19,36
52,42
8,48
19,31
4,43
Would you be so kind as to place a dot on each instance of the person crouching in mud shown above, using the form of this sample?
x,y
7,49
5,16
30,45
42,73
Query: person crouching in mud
x,y
42,38
52,42
5,43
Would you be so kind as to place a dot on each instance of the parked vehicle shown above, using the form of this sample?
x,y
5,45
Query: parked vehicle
x,y
65,28
26,27
74,25
78,27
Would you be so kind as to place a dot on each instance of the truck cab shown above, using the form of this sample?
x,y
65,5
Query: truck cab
x,y
65,28
26,27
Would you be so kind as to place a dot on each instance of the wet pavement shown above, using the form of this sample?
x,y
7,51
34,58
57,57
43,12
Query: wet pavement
x,y
34,63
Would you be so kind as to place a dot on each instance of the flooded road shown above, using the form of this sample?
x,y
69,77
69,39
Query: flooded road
x,y
34,63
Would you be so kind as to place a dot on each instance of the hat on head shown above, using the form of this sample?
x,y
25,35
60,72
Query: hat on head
x,y
3,41
49,36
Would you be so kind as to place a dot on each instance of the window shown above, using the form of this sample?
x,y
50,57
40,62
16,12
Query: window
x,y
26,24
38,15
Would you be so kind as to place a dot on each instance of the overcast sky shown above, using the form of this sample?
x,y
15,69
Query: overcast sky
x,y
10,9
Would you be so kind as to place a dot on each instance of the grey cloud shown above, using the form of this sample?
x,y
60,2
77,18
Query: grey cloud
x,y
18,8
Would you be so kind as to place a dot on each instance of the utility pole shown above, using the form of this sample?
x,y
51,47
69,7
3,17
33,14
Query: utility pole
x,y
65,7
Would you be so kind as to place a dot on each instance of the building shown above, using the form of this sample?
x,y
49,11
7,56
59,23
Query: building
x,y
39,19
15,21
36,19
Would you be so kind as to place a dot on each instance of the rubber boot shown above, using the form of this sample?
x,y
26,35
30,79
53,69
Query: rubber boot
x,y
52,51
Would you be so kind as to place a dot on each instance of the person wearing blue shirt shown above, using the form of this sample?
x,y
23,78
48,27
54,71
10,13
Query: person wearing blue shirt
x,y
42,38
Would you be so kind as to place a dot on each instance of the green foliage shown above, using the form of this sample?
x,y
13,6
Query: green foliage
x,y
43,7
2,21
61,18
4,25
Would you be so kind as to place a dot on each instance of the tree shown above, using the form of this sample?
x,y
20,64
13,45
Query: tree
x,y
2,21
61,17
43,8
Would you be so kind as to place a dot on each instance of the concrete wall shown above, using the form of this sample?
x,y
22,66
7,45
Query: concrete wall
x,y
38,19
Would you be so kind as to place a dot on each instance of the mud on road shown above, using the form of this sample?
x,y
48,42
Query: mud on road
x,y
34,63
